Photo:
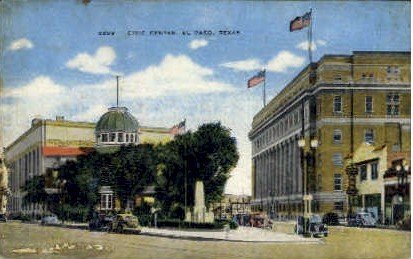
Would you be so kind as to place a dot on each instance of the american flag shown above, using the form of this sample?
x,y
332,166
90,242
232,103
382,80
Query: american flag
x,y
178,128
300,22
255,80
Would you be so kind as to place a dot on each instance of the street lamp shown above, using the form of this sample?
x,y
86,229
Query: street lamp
x,y
307,167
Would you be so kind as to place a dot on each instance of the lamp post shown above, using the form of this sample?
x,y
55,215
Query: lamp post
x,y
307,167
271,194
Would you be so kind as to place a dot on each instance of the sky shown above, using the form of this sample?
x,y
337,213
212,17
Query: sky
x,y
61,58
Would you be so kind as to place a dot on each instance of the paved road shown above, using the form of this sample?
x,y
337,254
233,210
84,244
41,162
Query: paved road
x,y
53,242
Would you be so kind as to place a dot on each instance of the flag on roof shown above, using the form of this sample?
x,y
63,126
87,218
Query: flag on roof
x,y
257,79
300,22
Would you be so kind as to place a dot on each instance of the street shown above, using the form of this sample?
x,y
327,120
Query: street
x,y
54,242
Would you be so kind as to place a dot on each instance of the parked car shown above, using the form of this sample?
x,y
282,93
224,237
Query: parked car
x,y
123,222
49,220
100,222
311,226
362,219
3,218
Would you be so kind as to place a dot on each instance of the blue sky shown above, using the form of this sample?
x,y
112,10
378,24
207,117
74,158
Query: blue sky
x,y
54,62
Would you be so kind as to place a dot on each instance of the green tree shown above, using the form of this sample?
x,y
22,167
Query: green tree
x,y
35,191
209,155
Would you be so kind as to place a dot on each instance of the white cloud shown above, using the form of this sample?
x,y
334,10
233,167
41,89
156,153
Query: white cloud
x,y
196,44
42,96
94,64
284,60
304,45
175,75
243,65
19,44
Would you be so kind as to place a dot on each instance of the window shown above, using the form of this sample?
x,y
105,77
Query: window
x,y
393,73
320,182
104,137
369,104
106,201
337,136
392,104
120,137
112,137
369,136
374,172
127,138
337,159
337,77
337,182
337,103
338,205
363,172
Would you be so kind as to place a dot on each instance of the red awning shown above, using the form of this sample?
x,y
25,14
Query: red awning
x,y
65,151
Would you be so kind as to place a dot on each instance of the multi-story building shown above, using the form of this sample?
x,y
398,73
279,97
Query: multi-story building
x,y
318,122
48,144
41,150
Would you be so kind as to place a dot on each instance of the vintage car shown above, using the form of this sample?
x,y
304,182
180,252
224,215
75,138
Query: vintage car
x,y
362,219
311,226
3,218
50,220
125,223
100,222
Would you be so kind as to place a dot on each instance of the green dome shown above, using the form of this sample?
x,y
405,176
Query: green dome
x,y
117,119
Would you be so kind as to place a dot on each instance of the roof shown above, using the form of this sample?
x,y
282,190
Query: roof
x,y
117,119
65,151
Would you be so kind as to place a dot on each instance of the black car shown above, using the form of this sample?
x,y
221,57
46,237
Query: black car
x,y
311,226
100,222
3,218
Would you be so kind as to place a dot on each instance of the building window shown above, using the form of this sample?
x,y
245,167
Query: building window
x,y
337,77
337,103
104,137
112,137
339,205
106,201
374,171
337,136
393,73
127,138
120,137
320,183
369,136
369,104
363,172
392,104
337,182
337,159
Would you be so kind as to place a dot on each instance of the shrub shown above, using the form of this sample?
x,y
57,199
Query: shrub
x,y
233,225
176,223
331,219
404,224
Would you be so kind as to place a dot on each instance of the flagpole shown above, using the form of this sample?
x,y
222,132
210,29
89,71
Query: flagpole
x,y
310,37
263,98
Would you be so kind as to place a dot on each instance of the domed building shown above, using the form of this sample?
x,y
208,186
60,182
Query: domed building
x,y
116,127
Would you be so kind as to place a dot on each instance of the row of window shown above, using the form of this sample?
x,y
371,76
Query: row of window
x,y
278,130
393,74
374,174
392,104
368,136
119,137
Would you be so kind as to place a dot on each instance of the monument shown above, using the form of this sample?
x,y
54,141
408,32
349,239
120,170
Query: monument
x,y
4,189
199,212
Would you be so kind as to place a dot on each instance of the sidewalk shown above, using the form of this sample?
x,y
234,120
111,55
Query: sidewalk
x,y
242,234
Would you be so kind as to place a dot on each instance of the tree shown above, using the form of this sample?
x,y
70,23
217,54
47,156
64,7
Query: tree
x,y
208,155
35,191
134,168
